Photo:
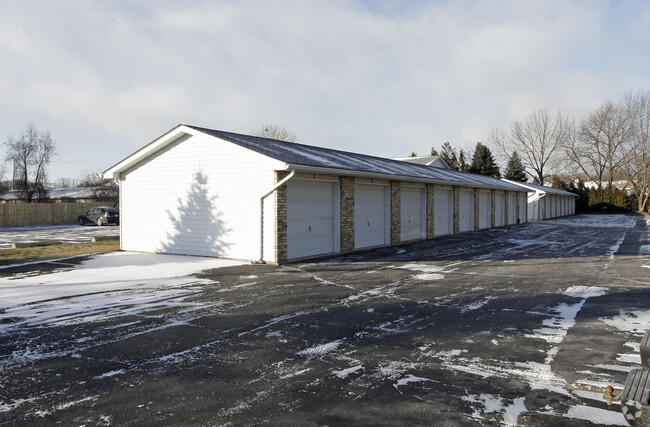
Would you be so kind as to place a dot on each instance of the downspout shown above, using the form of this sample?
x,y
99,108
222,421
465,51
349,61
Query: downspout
x,y
268,193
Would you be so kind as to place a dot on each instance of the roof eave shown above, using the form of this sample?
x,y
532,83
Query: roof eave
x,y
154,146
372,175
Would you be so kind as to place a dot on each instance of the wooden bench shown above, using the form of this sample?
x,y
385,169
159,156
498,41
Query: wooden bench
x,y
645,349
635,398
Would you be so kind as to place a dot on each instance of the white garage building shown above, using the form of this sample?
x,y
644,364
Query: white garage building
x,y
205,192
547,202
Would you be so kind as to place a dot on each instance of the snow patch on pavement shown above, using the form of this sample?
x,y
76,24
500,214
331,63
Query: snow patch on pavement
x,y
629,321
429,272
485,404
596,415
321,349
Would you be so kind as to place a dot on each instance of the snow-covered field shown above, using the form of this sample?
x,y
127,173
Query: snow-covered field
x,y
508,338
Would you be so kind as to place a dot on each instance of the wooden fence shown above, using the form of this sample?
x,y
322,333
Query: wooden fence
x,y
22,214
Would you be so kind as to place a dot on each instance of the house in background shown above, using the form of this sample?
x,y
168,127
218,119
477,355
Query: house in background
x,y
433,161
547,202
200,191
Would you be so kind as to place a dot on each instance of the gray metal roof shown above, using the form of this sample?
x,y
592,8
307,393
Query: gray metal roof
x,y
542,188
300,155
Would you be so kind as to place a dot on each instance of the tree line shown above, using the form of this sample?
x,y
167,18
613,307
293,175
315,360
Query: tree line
x,y
29,153
611,143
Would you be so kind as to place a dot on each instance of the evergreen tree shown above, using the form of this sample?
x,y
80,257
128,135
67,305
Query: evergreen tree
x,y
559,184
515,170
448,154
414,154
483,162
434,152
463,166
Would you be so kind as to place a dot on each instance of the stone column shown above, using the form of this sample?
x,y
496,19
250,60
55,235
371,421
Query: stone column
x,y
395,212
347,214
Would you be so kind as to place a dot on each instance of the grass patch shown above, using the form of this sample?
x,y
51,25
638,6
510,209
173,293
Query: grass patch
x,y
42,253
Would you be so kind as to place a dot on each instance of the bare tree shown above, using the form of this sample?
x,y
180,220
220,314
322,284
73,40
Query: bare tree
x,y
637,167
276,132
599,149
103,189
539,139
31,153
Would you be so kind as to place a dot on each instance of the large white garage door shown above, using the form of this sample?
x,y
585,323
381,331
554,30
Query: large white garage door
x,y
413,214
443,208
466,211
485,209
499,209
512,208
523,212
371,215
310,218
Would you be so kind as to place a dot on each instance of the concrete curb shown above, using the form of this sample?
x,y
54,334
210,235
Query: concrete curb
x,y
104,238
58,242
33,244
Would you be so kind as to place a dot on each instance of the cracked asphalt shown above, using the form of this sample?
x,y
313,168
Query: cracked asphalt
x,y
509,326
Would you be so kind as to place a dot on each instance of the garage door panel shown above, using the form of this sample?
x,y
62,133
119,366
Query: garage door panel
x,y
466,211
412,209
370,217
443,212
310,218
485,209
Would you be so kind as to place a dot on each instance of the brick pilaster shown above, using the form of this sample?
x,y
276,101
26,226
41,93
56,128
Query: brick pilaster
x,y
395,212
493,215
347,214
281,219
431,218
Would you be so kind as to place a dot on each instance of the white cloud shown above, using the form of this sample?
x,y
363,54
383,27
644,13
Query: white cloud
x,y
361,76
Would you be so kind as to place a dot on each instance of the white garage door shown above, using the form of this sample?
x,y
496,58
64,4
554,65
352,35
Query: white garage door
x,y
499,209
466,211
485,209
371,215
310,218
443,207
522,207
413,214
512,208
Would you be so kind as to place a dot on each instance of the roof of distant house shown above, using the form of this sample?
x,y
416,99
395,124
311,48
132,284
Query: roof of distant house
x,y
435,161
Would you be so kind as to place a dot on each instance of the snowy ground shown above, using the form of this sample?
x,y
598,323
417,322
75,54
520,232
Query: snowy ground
x,y
58,233
514,326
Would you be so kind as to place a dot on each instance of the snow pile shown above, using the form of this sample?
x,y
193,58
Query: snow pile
x,y
495,405
429,272
125,283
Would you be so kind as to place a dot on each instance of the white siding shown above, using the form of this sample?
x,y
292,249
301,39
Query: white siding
x,y
199,197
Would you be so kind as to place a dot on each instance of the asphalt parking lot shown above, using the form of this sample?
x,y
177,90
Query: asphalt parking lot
x,y
516,326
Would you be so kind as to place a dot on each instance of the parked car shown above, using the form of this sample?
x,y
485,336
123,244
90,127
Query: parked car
x,y
100,215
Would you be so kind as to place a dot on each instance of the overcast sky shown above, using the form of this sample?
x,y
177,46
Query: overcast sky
x,y
376,77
